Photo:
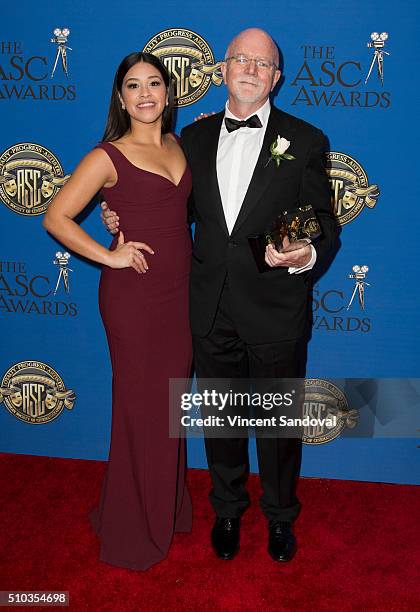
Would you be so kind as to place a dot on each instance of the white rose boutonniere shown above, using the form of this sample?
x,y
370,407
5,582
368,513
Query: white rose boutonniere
x,y
278,150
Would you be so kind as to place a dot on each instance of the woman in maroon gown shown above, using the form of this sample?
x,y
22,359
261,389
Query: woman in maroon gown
x,y
142,172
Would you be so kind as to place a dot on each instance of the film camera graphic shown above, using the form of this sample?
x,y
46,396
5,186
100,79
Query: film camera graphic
x,y
377,44
359,275
60,39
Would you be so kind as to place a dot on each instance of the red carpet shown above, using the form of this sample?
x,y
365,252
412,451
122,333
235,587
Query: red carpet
x,y
358,547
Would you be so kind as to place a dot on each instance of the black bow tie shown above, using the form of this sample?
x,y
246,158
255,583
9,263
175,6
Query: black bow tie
x,y
234,124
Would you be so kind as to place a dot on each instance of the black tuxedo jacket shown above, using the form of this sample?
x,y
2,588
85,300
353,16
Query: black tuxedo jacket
x,y
270,306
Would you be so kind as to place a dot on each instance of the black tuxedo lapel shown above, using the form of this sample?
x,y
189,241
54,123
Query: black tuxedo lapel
x,y
263,171
209,152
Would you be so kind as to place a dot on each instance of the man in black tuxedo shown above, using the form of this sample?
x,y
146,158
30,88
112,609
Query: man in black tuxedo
x,y
246,323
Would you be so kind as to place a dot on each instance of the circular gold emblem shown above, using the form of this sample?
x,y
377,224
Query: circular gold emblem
x,y
189,58
327,405
30,177
350,187
34,392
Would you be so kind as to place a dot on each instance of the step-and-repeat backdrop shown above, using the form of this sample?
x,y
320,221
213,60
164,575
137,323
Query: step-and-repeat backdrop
x,y
350,70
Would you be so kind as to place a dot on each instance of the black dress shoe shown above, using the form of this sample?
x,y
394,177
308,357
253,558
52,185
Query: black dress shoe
x,y
281,541
225,537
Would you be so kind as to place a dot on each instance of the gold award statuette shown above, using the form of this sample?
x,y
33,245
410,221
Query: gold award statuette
x,y
291,230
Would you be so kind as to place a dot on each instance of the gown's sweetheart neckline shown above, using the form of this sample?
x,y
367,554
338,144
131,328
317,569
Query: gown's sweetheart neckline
x,y
165,178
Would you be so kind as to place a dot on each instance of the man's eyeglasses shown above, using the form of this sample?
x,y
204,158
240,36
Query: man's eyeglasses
x,y
243,60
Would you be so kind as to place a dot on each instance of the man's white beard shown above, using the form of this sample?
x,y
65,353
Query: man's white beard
x,y
248,99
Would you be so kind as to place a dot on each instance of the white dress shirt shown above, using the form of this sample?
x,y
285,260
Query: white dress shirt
x,y
237,155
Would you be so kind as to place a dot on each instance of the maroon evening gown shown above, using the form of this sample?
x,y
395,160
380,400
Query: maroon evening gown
x,y
144,497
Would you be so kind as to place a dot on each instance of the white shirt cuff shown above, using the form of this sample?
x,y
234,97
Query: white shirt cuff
x,y
308,266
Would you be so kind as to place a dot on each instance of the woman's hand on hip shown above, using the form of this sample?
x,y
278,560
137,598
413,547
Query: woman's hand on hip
x,y
129,255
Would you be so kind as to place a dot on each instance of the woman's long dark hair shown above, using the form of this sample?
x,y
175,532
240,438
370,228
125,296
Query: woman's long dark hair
x,y
118,122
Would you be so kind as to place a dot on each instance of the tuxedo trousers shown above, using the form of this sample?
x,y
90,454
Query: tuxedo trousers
x,y
223,354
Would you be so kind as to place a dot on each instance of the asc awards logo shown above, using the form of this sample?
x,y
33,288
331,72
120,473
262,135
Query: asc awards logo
x,y
34,392
190,60
27,74
325,403
350,189
333,77
30,177
330,306
27,290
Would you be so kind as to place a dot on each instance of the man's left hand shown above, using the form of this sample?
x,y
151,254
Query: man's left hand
x,y
293,259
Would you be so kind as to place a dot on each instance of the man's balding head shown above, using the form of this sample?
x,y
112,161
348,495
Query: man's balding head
x,y
254,38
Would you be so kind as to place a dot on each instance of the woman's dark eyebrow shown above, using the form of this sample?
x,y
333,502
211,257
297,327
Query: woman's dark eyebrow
x,y
154,76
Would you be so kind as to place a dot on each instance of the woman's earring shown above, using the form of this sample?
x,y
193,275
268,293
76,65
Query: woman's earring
x,y
123,106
